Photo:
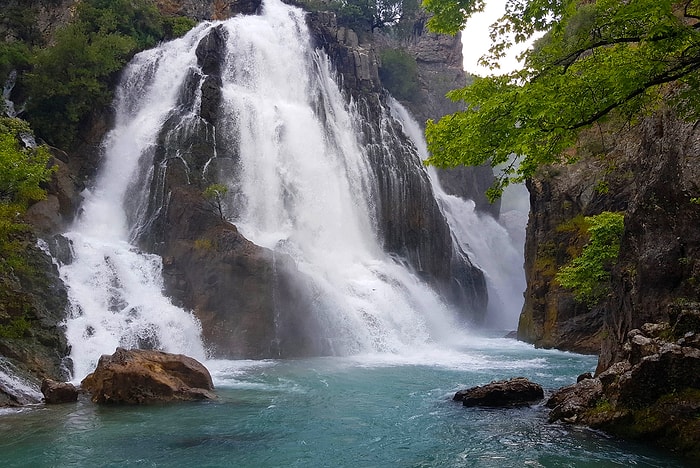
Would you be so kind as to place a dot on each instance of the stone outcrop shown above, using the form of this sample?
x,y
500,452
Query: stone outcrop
x,y
652,394
145,376
58,392
659,262
650,173
33,301
517,391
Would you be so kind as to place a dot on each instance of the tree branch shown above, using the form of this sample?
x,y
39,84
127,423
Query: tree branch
x,y
672,75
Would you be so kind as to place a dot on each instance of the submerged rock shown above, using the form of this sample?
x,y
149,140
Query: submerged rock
x,y
517,391
58,392
140,376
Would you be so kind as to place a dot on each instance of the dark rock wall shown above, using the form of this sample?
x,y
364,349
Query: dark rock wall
x,y
659,263
440,69
560,197
649,172
33,301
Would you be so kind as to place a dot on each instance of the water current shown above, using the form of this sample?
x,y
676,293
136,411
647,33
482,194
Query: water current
x,y
373,410
385,400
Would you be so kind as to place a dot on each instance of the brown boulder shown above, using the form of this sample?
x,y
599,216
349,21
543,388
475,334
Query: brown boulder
x,y
517,391
58,392
140,376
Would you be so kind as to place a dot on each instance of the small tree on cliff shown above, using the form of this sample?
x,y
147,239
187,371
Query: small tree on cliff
x,y
215,194
588,275
598,61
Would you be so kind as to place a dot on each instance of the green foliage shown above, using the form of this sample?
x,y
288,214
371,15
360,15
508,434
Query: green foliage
x,y
598,61
74,77
215,194
16,328
588,275
177,26
399,73
20,22
22,171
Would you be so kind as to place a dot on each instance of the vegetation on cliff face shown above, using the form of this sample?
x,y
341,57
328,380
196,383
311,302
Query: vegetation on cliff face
x,y
74,76
598,61
588,274
22,171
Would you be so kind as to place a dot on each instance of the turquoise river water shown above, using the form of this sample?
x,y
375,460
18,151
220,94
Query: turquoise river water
x,y
363,411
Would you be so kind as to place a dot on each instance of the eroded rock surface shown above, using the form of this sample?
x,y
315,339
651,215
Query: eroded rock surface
x,y
140,376
517,391
652,394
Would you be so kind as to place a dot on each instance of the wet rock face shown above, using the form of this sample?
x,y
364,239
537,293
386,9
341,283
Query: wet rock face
x,y
651,173
143,376
33,303
652,394
58,392
409,218
659,261
250,301
517,391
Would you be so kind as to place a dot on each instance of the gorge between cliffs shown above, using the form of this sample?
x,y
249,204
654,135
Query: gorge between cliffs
x,y
255,198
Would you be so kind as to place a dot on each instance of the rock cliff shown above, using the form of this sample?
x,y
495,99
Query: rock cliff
x,y
645,329
648,172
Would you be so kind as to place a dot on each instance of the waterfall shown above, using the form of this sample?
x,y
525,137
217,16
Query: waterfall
x,y
305,187
496,247
289,147
115,290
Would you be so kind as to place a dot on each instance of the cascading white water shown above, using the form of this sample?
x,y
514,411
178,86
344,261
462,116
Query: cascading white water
x,y
493,247
24,392
303,186
115,291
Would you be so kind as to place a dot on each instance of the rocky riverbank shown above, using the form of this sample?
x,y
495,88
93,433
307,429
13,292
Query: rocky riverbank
x,y
652,393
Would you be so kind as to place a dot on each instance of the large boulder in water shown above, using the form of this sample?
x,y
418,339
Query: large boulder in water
x,y
517,391
140,376
58,392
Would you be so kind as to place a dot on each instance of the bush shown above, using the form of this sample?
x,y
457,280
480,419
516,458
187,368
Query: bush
x,y
22,171
76,75
399,74
588,275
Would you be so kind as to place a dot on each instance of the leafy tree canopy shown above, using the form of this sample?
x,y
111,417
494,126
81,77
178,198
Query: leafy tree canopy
x,y
604,60
74,76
